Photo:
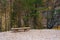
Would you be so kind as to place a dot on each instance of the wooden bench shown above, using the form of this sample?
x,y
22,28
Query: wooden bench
x,y
22,29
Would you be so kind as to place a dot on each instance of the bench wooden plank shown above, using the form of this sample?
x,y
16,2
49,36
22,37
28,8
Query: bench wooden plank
x,y
20,29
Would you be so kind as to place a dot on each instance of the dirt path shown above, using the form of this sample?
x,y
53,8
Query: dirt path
x,y
44,34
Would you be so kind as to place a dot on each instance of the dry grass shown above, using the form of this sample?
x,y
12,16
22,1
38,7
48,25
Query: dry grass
x,y
57,27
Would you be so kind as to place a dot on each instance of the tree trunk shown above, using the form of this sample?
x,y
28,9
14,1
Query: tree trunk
x,y
7,15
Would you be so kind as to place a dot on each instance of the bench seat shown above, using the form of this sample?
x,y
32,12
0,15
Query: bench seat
x,y
22,29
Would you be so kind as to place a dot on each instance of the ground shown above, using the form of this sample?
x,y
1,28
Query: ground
x,y
33,34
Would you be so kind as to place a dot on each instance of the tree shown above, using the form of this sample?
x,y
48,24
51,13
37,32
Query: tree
x,y
32,5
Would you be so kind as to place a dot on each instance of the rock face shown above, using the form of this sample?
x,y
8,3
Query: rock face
x,y
44,34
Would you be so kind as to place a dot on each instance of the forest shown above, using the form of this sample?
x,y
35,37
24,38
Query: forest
x,y
37,14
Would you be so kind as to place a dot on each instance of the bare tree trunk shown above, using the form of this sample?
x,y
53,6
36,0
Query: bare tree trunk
x,y
20,19
3,22
7,15
2,16
0,20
